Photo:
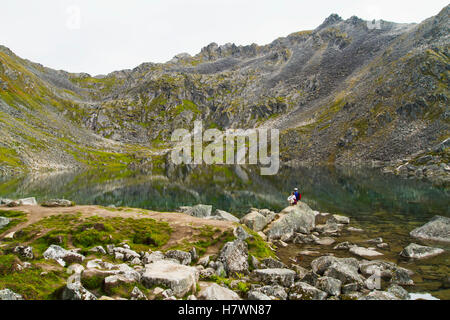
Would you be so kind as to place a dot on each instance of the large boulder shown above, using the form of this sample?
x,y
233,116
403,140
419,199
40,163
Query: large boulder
x,y
329,285
379,295
179,278
55,203
304,291
24,251
300,218
74,290
415,251
438,229
28,202
275,292
62,256
345,271
199,211
224,216
322,264
4,222
183,257
283,277
255,221
215,292
234,257
8,295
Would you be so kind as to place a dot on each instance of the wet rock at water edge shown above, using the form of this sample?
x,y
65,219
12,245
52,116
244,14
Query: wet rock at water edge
x,y
415,251
438,229
57,203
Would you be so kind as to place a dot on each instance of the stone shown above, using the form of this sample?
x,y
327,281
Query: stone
x,y
349,288
75,291
117,280
399,292
346,273
153,257
310,278
62,256
322,264
402,277
375,241
199,211
293,219
283,277
234,256
415,251
183,257
438,229
255,221
271,263
274,292
364,252
179,278
204,261
4,222
24,251
382,268
75,268
329,285
56,203
215,292
9,295
225,216
379,295
344,246
325,241
340,219
28,202
207,273
241,234
255,262
322,218
194,254
257,296
304,291
98,249
135,262
352,229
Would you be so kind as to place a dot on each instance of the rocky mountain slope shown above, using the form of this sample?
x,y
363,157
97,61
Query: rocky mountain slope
x,y
342,93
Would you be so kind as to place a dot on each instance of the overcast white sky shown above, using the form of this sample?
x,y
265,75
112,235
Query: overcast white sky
x,y
121,34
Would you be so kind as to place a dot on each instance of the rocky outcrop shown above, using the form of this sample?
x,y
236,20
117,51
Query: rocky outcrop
x,y
234,256
180,279
199,211
62,256
438,229
415,251
300,218
283,277
215,292
55,203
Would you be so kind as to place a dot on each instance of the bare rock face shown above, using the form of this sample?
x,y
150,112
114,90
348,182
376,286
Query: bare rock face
x,y
215,292
62,256
304,291
438,229
283,277
415,251
234,257
300,218
180,279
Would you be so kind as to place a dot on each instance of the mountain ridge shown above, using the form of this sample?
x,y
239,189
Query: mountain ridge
x,y
342,93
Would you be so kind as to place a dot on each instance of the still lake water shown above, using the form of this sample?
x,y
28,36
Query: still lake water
x,y
383,205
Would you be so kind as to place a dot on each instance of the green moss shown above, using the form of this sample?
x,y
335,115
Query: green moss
x,y
29,282
257,247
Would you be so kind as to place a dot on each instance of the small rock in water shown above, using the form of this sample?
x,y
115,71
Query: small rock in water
x,y
352,229
363,252
325,241
422,296
375,241
415,251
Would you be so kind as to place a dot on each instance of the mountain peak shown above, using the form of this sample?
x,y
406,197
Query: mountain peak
x,y
332,19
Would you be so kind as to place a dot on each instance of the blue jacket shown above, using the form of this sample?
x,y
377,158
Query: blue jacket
x,y
297,195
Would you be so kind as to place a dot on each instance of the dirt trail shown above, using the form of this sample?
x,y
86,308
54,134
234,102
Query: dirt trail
x,y
183,224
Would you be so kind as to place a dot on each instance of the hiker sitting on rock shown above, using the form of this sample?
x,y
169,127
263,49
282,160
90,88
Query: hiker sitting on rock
x,y
292,199
297,194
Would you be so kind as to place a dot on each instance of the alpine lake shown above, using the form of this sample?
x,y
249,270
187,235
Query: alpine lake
x,y
383,205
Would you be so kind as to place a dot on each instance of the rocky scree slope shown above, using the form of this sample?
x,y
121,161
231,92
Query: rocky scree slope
x,y
342,93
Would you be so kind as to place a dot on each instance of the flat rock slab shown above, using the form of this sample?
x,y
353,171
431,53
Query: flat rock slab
x,y
212,291
363,252
415,251
438,229
180,279
284,277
